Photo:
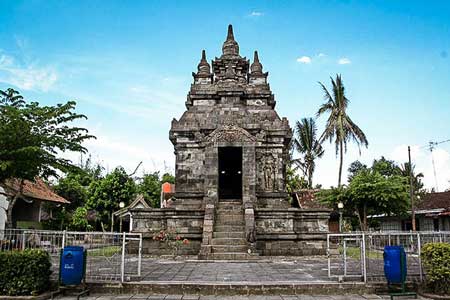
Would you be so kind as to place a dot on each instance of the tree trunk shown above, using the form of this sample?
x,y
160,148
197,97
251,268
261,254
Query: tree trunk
x,y
365,217
9,221
310,177
360,219
341,150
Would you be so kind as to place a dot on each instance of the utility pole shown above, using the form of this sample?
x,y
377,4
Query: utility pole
x,y
411,191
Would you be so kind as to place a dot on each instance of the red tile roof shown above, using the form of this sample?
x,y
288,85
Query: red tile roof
x,y
435,200
307,199
37,190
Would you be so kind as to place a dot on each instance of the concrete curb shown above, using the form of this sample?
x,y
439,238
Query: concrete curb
x,y
43,296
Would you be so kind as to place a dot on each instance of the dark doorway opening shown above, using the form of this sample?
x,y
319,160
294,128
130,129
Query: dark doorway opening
x,y
230,173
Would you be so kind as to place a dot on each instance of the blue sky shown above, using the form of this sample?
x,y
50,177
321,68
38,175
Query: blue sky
x,y
128,65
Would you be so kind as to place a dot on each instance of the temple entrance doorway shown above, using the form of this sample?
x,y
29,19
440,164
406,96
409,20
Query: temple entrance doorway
x,y
230,173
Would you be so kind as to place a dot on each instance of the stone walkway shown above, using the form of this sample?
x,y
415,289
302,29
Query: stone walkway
x,y
196,297
301,270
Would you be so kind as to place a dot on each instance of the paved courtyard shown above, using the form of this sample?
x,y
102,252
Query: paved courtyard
x,y
196,297
299,270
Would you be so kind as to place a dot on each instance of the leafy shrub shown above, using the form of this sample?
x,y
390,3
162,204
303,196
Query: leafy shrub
x,y
24,272
436,261
172,239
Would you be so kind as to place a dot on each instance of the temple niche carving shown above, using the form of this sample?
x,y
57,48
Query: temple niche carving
x,y
231,148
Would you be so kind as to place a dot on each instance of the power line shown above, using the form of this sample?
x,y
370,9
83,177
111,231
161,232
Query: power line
x,y
431,146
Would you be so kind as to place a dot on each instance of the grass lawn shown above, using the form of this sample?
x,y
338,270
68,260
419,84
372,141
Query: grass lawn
x,y
105,251
355,253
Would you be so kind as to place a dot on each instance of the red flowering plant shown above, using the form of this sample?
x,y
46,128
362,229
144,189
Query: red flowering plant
x,y
172,239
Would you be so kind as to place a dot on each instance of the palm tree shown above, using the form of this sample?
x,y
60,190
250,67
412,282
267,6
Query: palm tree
x,y
11,97
339,126
406,170
307,144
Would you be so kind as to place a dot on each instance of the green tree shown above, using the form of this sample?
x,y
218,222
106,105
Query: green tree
x,y
294,182
105,195
73,187
32,136
339,126
370,193
354,168
80,220
167,177
150,188
308,145
386,167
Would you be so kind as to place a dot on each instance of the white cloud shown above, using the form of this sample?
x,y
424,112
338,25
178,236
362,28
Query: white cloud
x,y
27,76
114,149
256,14
304,60
344,61
321,55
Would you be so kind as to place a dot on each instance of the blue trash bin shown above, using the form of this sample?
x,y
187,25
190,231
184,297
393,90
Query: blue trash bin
x,y
395,264
72,265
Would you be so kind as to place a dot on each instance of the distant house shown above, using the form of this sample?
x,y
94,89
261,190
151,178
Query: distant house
x,y
29,210
432,214
124,216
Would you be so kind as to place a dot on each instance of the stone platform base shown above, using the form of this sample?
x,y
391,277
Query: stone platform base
x,y
236,288
225,230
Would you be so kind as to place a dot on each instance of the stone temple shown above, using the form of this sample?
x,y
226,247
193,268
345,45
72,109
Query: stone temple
x,y
231,152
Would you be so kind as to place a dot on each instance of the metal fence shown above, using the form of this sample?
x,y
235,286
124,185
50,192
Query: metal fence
x,y
359,256
110,256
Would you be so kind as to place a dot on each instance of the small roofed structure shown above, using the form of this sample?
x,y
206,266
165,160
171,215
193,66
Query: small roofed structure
x,y
432,214
124,214
28,210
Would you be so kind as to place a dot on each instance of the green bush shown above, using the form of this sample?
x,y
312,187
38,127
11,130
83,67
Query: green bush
x,y
436,261
24,272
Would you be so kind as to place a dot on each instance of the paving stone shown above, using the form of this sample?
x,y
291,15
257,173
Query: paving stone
x,y
173,297
366,296
191,297
139,297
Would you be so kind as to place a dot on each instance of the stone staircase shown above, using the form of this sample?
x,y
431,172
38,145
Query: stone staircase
x,y
229,242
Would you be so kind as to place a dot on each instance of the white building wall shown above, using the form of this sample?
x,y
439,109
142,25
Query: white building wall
x,y
3,207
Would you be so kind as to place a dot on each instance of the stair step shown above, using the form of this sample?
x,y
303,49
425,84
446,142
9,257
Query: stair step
x,y
229,205
237,217
229,248
229,222
235,255
229,228
235,234
229,241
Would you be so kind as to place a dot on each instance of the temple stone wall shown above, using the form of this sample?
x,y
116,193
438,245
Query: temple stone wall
x,y
291,232
230,104
188,224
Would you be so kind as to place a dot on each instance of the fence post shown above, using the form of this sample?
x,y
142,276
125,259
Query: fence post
x,y
345,257
23,240
328,255
419,252
63,243
140,254
364,257
122,265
